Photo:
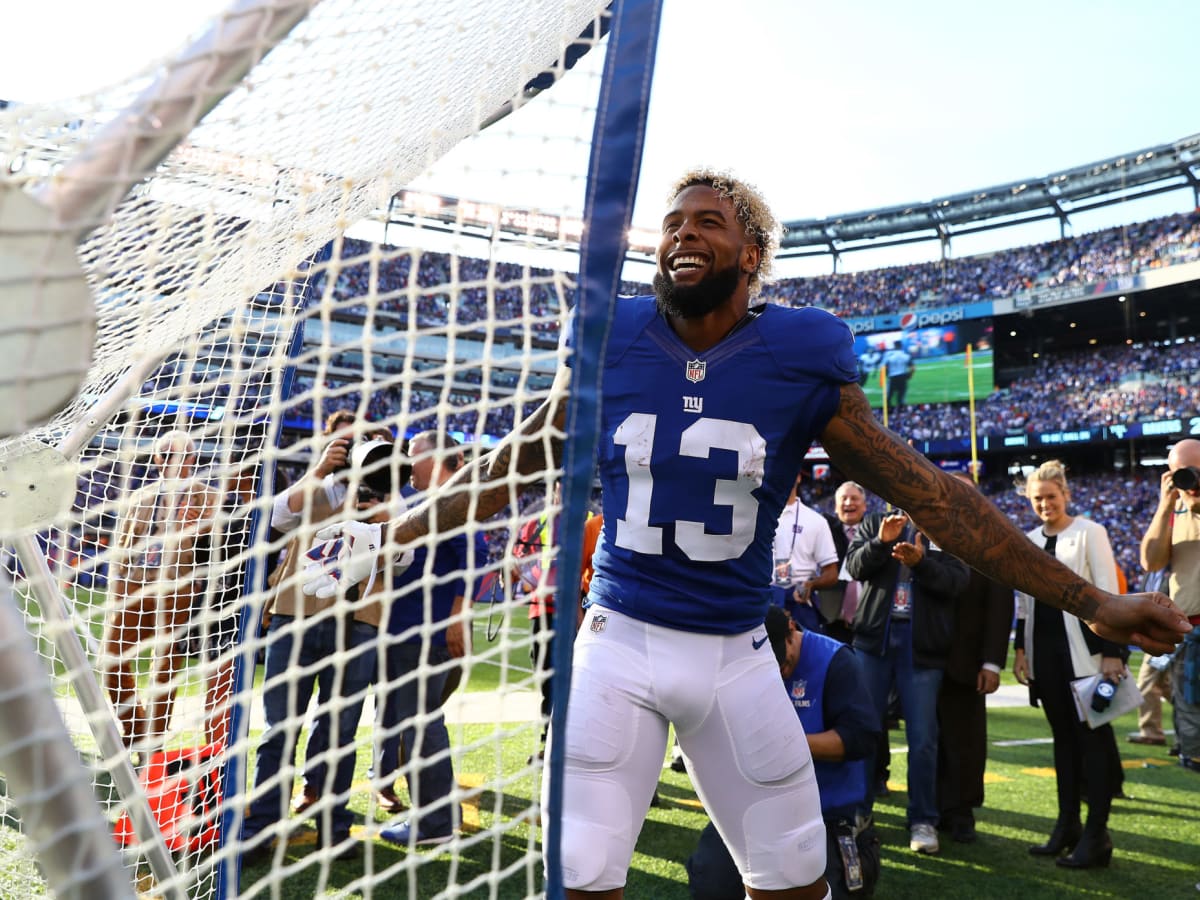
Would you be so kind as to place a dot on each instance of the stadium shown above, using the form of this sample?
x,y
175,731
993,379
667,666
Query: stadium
x,y
210,292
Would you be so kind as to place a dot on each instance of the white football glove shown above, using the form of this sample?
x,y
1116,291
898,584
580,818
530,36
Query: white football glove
x,y
342,556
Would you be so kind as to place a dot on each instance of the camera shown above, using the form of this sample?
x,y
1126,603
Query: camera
x,y
1186,478
372,461
1103,696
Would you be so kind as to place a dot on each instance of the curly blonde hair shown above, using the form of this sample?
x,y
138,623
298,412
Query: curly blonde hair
x,y
761,225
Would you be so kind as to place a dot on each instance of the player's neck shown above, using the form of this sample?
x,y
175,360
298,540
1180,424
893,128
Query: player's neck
x,y
707,331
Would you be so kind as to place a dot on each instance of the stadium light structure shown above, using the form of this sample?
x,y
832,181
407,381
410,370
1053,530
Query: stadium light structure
x,y
1141,173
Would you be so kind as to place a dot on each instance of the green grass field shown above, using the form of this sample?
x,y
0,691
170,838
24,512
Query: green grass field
x,y
1156,831
940,380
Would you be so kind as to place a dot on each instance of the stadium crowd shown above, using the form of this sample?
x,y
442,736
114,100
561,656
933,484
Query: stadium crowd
x,y
1072,390
462,290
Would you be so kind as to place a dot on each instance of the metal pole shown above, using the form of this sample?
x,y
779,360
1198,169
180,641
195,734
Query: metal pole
x,y
59,814
99,717
83,194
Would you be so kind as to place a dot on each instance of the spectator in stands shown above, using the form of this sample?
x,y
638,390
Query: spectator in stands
x,y
983,615
154,586
328,642
840,603
805,560
841,729
1173,539
1051,652
903,632
418,661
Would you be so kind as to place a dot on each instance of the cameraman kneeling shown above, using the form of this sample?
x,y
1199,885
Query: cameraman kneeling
x,y
326,638
823,678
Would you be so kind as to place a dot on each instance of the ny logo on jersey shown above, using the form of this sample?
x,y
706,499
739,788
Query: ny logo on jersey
x,y
693,404
694,371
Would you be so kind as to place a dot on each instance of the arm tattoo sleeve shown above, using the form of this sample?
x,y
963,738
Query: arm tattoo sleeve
x,y
959,518
485,486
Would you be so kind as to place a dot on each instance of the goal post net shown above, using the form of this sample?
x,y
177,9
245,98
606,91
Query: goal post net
x,y
315,210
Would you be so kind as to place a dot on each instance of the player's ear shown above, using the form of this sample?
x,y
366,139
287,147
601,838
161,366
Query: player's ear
x,y
751,257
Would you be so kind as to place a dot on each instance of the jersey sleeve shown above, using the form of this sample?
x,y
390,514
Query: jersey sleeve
x,y
826,346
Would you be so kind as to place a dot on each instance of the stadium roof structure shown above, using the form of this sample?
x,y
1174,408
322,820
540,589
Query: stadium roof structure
x,y
1142,173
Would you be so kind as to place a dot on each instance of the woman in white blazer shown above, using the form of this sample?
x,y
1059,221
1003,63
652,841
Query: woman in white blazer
x,y
1052,650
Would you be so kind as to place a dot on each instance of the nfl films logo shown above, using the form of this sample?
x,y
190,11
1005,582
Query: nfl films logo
x,y
695,370
598,622
799,688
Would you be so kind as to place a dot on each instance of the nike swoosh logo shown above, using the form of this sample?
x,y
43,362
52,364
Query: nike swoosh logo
x,y
759,642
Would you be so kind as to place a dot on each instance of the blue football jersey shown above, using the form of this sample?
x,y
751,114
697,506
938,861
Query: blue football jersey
x,y
697,455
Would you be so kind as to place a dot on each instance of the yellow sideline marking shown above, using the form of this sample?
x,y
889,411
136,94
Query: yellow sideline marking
x,y
1138,763
989,778
691,802
1040,772
471,781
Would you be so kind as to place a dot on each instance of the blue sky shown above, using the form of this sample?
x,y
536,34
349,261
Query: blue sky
x,y
828,107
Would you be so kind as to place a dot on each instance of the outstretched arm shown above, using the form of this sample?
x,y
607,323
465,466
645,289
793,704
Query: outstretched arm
x,y
964,523
485,486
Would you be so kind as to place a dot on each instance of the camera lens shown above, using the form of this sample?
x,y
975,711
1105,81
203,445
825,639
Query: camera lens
x,y
1186,478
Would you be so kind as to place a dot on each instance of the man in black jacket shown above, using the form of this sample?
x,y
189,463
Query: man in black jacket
x,y
903,630
983,615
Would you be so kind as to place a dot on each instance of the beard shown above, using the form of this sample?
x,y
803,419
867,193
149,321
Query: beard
x,y
697,300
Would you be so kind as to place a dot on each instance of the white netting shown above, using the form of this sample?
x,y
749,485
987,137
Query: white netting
x,y
232,316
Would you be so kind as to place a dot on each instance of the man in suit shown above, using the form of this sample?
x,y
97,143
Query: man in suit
x,y
983,616
838,604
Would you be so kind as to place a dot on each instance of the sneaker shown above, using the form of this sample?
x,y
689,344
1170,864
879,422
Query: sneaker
x,y
678,765
1191,764
923,839
402,835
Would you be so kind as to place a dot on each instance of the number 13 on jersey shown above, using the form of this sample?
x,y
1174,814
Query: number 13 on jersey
x,y
634,531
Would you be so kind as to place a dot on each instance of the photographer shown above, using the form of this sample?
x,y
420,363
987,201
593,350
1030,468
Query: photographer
x,y
839,725
1173,539
328,641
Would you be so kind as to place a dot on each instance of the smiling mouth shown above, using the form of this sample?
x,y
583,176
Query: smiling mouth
x,y
686,263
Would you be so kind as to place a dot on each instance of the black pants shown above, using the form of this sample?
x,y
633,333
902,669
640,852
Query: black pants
x,y
540,652
1083,757
962,752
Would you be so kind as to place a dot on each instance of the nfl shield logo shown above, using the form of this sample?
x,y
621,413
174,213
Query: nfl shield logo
x,y
695,370
799,686
598,622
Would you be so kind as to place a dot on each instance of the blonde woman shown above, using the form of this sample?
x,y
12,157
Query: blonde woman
x,y
1051,651
153,585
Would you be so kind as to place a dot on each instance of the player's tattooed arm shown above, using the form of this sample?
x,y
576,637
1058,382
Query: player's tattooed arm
x,y
963,522
485,486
